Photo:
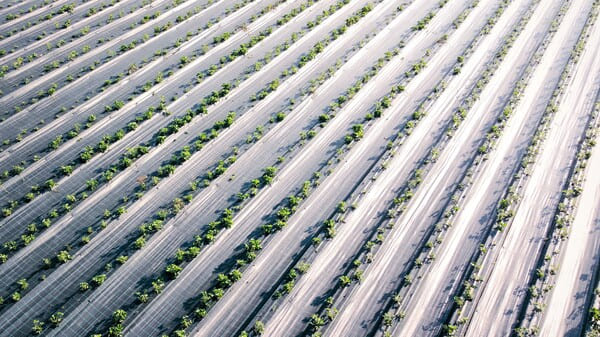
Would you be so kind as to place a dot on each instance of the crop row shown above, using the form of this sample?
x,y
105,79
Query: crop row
x,y
109,54
307,168
184,153
76,129
143,30
48,50
170,210
426,254
67,8
31,8
41,46
66,32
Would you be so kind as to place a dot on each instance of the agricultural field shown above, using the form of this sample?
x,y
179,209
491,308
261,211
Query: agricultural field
x,y
299,168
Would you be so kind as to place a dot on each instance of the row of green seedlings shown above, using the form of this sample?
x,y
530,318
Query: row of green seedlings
x,y
77,127
67,8
354,274
135,152
545,275
110,18
224,281
168,212
327,313
29,58
28,10
426,253
301,263
124,47
112,54
542,282
451,210
90,151
241,196
462,311
145,230
63,255
504,214
125,161
301,267
278,115
215,226
91,11
243,49
356,135
310,134
13,3
20,61
55,143
58,26
276,51
273,85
